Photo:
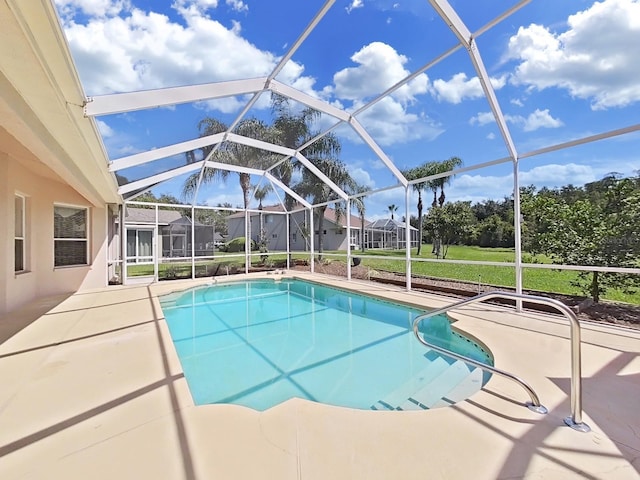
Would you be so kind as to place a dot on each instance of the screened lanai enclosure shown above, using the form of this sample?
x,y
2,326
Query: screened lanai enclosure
x,y
463,120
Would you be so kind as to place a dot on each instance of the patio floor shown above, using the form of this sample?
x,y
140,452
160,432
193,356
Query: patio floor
x,y
92,388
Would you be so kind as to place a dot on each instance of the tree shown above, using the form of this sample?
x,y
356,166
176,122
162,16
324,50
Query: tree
x,y
442,167
452,222
414,174
430,169
602,230
392,208
232,154
359,205
260,193
215,218
292,129
321,193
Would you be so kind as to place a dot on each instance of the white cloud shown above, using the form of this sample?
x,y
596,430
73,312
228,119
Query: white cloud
x,y
389,123
238,5
491,136
221,193
379,67
459,88
224,105
541,119
482,118
353,5
480,187
594,59
140,50
105,130
98,8
537,119
556,175
517,102
361,176
200,5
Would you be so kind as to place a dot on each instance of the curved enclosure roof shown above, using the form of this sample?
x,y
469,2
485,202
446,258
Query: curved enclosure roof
x,y
188,91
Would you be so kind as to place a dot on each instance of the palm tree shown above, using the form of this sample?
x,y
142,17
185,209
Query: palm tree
x,y
232,154
435,168
446,166
292,130
320,193
358,204
392,208
260,194
420,171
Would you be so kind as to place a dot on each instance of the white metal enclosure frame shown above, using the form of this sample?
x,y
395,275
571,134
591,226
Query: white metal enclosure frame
x,y
255,87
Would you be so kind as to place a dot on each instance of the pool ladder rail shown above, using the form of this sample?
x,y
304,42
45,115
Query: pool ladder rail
x,y
575,420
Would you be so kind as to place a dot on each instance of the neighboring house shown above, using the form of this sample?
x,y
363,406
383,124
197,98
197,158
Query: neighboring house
x,y
57,195
274,221
388,233
173,235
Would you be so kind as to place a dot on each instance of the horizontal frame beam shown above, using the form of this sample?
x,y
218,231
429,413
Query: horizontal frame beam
x,y
128,102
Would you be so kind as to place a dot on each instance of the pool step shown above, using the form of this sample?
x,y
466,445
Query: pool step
x,y
438,389
447,384
417,382
463,390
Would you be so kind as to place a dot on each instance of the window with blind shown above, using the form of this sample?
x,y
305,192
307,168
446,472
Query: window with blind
x,y
70,236
19,233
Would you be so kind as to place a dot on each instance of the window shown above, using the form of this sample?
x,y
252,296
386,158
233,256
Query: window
x,y
70,239
19,233
140,246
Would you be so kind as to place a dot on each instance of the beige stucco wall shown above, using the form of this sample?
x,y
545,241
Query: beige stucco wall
x,y
41,278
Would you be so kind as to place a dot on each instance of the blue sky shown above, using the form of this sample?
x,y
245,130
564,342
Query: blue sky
x,y
561,71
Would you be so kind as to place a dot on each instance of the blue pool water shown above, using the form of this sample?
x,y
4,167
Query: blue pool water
x,y
259,343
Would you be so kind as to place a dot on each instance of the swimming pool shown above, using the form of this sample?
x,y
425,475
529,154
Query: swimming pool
x,y
261,342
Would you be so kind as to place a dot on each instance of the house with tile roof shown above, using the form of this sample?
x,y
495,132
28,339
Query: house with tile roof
x,y
274,222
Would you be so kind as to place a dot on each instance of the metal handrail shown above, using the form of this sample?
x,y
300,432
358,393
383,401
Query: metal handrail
x,y
575,420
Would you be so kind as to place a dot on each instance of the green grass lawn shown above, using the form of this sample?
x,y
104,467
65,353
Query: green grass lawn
x,y
557,281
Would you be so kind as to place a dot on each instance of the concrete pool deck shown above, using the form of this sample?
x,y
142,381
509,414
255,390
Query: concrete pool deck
x,y
91,388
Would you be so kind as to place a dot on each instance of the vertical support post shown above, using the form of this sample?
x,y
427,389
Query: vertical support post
x,y
311,238
193,243
288,222
348,239
154,246
517,227
407,237
247,241
123,244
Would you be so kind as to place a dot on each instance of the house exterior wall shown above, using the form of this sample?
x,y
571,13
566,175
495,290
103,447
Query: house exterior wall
x,y
275,227
40,277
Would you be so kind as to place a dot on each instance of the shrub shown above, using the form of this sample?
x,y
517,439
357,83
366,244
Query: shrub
x,y
237,245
